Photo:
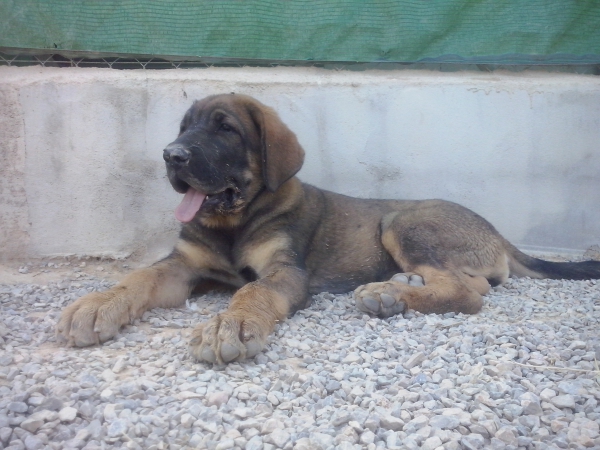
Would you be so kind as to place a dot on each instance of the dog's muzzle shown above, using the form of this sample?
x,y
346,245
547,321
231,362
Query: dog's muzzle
x,y
176,155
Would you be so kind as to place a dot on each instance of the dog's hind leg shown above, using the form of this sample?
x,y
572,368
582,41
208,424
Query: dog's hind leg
x,y
437,279
441,291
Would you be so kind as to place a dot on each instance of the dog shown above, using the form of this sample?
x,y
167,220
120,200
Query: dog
x,y
249,223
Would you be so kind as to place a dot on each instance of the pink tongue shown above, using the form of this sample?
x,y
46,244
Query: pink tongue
x,y
189,206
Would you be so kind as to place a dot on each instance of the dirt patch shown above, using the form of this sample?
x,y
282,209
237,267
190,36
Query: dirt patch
x,y
44,270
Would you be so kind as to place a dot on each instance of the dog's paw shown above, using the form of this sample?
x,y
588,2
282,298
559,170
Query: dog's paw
x,y
92,319
225,338
412,279
385,299
377,299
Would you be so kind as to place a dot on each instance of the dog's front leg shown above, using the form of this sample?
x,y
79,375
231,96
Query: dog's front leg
x,y
98,316
241,331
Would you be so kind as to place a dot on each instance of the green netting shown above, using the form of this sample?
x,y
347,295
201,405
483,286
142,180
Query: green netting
x,y
517,31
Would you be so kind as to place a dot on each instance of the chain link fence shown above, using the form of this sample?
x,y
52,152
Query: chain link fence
x,y
8,57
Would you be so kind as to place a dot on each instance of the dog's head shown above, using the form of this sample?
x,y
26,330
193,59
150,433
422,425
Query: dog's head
x,y
230,148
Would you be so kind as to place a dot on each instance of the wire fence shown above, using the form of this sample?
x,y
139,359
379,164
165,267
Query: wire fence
x,y
56,60
131,62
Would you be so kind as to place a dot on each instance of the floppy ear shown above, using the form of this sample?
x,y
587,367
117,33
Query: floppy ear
x,y
282,155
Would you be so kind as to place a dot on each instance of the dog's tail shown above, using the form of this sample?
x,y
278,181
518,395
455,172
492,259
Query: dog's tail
x,y
523,265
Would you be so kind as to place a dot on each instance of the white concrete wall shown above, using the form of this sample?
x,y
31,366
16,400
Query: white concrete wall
x,y
81,168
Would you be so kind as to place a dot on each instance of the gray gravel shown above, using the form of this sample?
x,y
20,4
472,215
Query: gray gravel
x,y
331,377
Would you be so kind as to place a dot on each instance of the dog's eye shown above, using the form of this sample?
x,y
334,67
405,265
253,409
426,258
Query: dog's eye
x,y
225,127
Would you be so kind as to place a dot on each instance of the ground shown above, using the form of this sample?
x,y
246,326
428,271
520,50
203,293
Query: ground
x,y
520,374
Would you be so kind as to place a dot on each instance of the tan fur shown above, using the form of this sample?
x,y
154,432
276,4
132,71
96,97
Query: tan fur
x,y
278,240
200,257
500,270
260,255
221,221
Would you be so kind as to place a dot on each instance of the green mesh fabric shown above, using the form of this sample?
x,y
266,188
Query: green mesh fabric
x,y
517,31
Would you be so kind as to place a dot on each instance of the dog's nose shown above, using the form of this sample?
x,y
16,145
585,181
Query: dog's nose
x,y
176,155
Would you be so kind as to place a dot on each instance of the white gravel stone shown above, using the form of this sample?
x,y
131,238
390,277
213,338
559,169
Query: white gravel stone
x,y
108,375
225,444
117,427
187,420
119,365
547,394
255,443
563,401
367,437
415,360
17,407
31,424
107,395
444,422
33,443
507,435
67,414
217,398
431,443
352,358
278,438
473,441
111,411
389,422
